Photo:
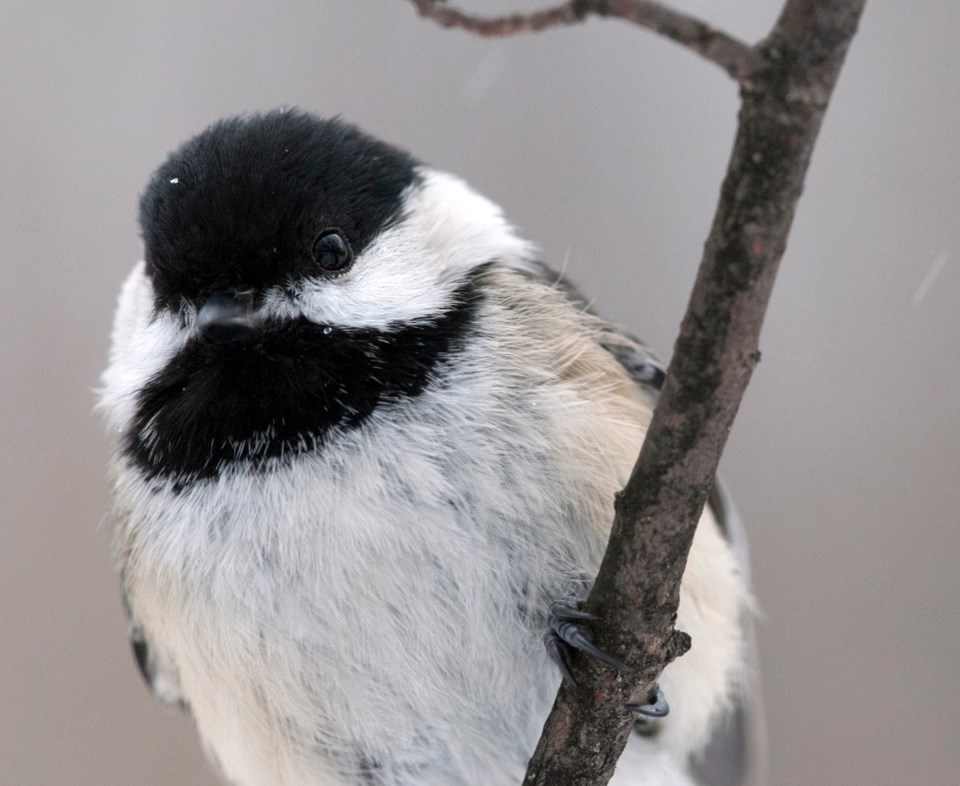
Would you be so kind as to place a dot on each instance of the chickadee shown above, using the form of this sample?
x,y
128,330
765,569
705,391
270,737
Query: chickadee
x,y
365,440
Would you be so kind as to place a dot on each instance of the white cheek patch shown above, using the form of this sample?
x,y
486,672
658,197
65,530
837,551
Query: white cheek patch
x,y
394,280
142,344
410,270
464,227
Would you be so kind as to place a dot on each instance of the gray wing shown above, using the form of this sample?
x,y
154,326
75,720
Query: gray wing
x,y
162,686
734,755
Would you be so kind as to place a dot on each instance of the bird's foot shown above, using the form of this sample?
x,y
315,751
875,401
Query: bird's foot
x,y
656,706
566,633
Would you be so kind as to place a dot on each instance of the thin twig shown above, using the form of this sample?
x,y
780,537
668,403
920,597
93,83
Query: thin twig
x,y
738,59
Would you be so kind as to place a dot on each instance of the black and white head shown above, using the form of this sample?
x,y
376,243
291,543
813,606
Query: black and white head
x,y
298,274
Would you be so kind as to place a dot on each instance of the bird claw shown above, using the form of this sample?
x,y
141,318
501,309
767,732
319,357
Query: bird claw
x,y
566,634
656,706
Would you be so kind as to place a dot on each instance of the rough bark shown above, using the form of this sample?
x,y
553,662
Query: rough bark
x,y
784,93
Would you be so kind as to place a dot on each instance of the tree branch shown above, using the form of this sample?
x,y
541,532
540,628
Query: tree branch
x,y
636,592
714,356
735,57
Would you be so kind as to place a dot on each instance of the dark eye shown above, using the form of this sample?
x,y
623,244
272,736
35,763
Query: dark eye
x,y
332,251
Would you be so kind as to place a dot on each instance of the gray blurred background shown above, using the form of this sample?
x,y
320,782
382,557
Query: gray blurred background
x,y
607,145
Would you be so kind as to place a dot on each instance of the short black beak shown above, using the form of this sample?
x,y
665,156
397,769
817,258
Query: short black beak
x,y
222,319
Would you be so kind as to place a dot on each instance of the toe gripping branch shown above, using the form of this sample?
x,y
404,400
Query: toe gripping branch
x,y
566,632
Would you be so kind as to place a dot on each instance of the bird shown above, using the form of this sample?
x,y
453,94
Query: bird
x,y
365,449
